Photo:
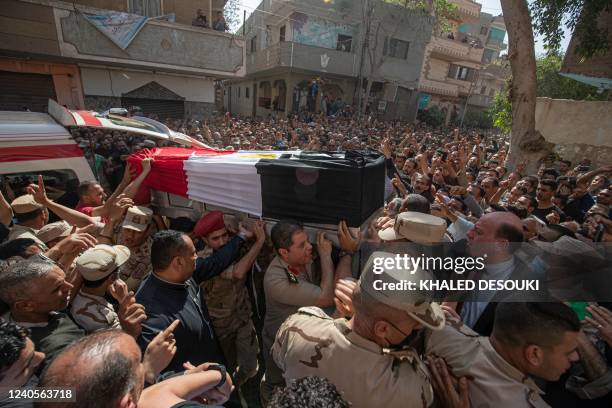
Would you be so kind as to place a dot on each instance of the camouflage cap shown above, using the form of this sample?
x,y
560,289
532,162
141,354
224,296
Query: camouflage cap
x,y
416,303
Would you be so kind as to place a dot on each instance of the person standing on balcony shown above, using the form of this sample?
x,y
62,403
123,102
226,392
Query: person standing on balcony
x,y
200,20
219,24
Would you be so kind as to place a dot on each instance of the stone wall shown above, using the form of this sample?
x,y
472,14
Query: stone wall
x,y
579,129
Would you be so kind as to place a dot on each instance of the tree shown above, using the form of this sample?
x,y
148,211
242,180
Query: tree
x,y
578,15
231,12
375,23
549,83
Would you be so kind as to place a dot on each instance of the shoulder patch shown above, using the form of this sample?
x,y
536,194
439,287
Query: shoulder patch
x,y
313,311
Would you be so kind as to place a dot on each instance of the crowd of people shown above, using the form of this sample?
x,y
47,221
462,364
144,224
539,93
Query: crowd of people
x,y
131,308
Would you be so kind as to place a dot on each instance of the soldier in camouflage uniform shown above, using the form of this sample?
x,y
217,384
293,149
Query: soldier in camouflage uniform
x,y
363,357
227,298
134,233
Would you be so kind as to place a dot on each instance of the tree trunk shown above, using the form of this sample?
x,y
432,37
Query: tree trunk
x,y
366,97
526,144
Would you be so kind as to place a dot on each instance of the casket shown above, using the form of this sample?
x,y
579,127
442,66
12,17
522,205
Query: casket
x,y
311,187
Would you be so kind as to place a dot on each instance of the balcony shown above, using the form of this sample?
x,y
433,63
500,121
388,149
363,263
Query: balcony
x,y
455,50
482,101
467,8
304,58
58,30
438,87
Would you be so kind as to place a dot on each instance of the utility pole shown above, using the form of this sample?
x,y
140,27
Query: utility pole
x,y
472,86
365,39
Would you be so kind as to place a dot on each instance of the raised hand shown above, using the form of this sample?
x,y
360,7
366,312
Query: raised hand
x,y
38,191
324,246
159,352
131,315
346,240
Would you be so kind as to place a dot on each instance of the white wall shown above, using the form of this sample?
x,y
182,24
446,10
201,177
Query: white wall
x,y
115,82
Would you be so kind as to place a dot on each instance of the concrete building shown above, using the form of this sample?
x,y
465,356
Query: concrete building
x,y
51,49
464,64
291,43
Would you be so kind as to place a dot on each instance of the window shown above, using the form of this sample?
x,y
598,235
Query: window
x,y
487,56
246,92
281,35
344,43
483,30
239,92
149,8
462,73
61,185
483,90
254,44
492,92
396,48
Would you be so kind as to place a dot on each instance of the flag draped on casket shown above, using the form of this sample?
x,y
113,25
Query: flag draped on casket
x,y
310,187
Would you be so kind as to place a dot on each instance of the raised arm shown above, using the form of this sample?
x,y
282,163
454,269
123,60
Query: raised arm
x,y
69,215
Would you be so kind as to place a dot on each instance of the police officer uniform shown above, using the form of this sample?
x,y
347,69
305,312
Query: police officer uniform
x,y
310,343
496,383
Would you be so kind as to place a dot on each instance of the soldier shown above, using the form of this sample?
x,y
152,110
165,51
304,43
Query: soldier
x,y
528,340
365,357
227,298
135,235
291,282
31,216
98,266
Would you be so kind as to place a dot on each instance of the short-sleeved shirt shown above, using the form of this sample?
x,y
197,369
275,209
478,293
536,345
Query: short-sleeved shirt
x,y
285,294
93,313
496,383
310,343
138,266
21,231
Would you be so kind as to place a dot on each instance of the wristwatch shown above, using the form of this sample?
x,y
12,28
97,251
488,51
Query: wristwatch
x,y
344,253
221,369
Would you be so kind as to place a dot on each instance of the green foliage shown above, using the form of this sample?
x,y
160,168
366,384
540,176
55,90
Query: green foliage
x,y
553,85
579,16
549,83
500,111
433,116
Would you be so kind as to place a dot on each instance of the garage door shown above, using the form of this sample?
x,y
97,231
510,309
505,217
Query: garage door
x,y
163,108
22,91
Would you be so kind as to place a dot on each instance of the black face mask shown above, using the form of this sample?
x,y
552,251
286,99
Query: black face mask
x,y
406,342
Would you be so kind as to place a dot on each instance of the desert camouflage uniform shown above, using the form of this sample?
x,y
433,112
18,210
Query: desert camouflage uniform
x,y
311,343
229,307
138,266
496,383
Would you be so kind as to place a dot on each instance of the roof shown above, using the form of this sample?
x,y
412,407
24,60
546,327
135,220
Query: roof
x,y
31,126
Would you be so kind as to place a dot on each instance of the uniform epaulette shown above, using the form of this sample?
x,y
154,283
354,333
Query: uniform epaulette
x,y
314,311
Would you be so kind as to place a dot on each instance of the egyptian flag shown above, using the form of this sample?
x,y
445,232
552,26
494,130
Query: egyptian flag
x,y
309,187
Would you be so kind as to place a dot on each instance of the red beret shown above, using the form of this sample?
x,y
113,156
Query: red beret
x,y
210,222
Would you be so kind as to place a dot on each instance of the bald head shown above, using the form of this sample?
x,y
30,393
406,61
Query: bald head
x,y
505,225
104,369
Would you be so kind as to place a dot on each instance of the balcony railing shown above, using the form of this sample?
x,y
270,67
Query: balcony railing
x,y
165,45
455,50
467,7
437,87
483,101
303,57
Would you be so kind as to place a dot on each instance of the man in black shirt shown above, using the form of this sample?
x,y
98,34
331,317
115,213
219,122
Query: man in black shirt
x,y
172,291
544,194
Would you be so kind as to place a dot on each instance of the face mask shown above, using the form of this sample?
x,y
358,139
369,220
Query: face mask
x,y
408,339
